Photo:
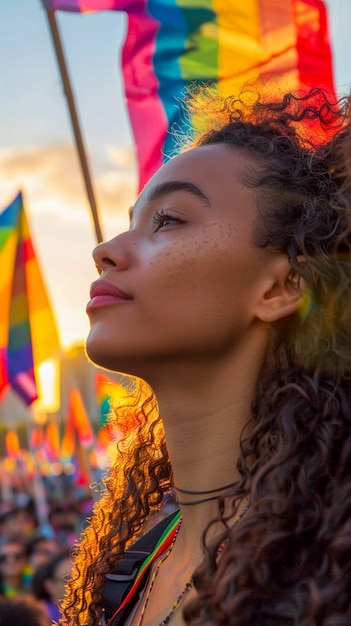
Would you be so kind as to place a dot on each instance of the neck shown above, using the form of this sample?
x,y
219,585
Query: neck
x,y
204,411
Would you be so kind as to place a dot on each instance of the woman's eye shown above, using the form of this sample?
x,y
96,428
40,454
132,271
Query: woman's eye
x,y
162,219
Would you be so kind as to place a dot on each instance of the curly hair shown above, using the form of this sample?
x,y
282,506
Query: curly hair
x,y
294,543
139,477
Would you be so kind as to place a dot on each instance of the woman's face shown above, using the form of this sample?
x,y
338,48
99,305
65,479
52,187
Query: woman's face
x,y
182,282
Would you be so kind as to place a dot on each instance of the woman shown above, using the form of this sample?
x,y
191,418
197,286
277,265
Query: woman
x,y
230,295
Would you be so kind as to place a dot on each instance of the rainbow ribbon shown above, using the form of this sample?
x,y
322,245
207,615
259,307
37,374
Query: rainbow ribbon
x,y
163,543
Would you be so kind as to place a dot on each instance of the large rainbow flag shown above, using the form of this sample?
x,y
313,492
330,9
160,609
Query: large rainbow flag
x,y
28,333
172,43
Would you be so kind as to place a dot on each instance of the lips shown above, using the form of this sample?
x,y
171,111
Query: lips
x,y
103,293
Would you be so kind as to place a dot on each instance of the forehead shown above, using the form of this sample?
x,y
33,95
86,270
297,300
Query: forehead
x,y
208,157
11,546
214,171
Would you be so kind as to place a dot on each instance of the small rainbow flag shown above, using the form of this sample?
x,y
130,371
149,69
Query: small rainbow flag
x,y
28,333
109,392
52,442
12,444
77,418
171,44
78,438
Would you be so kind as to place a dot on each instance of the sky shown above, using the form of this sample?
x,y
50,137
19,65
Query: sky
x,y
37,150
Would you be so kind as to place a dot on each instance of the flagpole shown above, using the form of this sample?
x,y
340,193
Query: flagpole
x,y
75,122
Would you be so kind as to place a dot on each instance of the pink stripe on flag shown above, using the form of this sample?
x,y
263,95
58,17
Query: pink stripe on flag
x,y
81,6
4,381
148,117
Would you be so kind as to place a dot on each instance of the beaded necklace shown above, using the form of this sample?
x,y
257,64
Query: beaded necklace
x,y
152,581
164,542
188,585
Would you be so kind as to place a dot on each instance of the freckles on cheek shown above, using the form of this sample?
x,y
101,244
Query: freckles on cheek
x,y
190,259
180,272
174,265
181,276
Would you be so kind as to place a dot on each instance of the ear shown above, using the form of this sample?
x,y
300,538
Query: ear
x,y
283,292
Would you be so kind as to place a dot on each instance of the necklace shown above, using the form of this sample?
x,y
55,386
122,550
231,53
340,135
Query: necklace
x,y
174,605
152,581
188,585
201,493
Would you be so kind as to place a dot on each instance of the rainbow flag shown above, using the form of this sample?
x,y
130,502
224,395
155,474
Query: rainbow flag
x,y
77,418
78,438
12,444
52,443
171,44
28,332
109,392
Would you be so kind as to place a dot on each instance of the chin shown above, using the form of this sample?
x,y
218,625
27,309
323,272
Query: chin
x,y
99,354
102,354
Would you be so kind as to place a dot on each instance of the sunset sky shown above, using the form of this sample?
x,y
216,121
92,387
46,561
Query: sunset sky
x,y
37,151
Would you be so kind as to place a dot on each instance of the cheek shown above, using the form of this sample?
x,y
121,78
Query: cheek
x,y
193,261
172,270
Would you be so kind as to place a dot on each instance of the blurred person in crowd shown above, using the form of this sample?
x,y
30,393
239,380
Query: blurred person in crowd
x,y
15,521
65,520
14,569
25,610
48,582
41,549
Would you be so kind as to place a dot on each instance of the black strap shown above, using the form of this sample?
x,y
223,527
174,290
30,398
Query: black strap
x,y
121,579
282,612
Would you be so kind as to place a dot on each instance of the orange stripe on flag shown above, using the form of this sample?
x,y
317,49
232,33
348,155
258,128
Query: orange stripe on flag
x,y
78,417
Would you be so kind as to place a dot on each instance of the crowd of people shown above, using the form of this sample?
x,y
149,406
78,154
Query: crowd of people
x,y
35,562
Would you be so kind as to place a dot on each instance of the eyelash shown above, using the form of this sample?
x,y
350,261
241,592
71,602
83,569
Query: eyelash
x,y
161,216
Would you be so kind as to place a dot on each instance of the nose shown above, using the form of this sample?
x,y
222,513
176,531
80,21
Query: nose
x,y
111,253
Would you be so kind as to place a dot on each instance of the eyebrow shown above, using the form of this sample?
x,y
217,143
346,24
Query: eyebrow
x,y
158,191
176,185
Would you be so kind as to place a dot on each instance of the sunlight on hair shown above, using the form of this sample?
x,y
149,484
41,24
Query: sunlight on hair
x,y
207,107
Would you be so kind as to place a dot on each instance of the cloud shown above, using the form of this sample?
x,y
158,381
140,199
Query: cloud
x,y
60,221
121,158
51,177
